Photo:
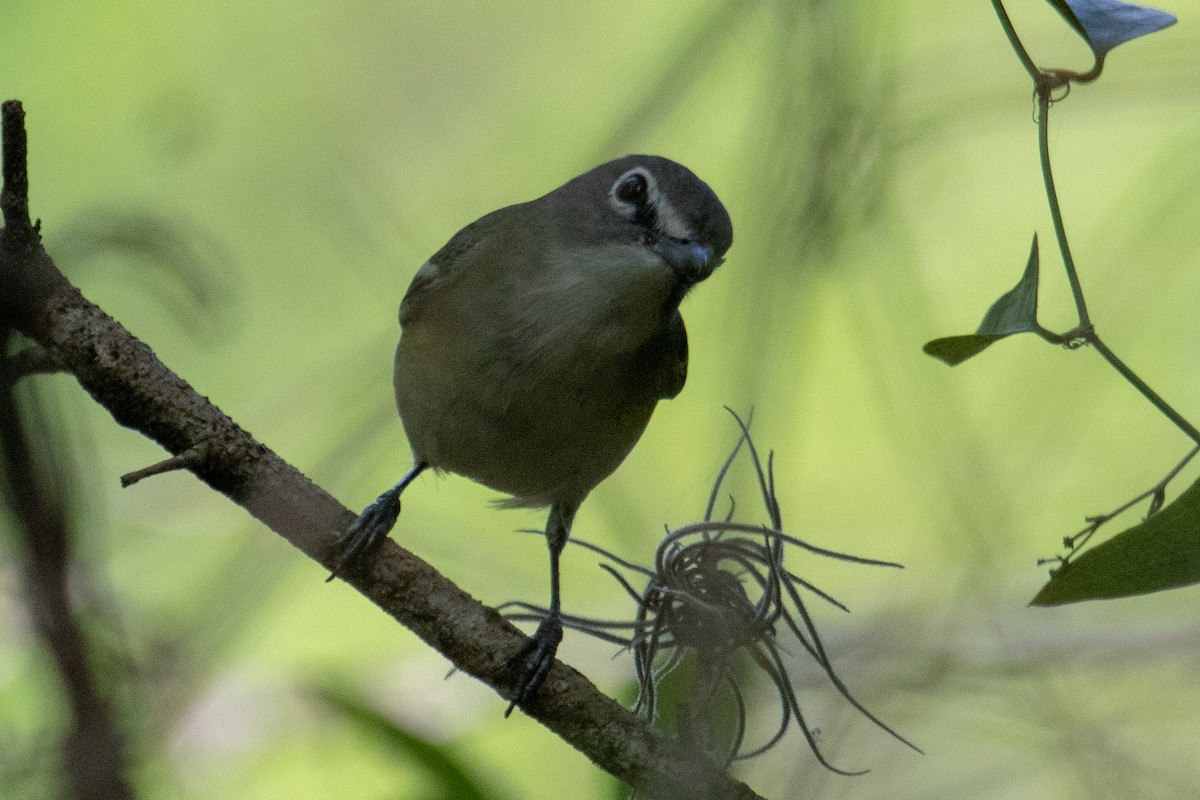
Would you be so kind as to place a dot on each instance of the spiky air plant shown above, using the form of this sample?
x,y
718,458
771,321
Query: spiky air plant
x,y
713,608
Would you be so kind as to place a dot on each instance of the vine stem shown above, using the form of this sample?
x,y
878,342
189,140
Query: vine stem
x,y
1170,413
1076,542
1044,90
1015,41
1045,83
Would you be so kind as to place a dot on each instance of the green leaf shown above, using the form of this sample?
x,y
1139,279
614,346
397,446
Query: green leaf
x,y
956,349
1014,312
1104,24
1161,553
449,773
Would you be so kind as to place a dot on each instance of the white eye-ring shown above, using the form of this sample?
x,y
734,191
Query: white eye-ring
x,y
633,191
636,196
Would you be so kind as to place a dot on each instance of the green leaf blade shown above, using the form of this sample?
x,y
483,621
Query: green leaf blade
x,y
1014,312
954,350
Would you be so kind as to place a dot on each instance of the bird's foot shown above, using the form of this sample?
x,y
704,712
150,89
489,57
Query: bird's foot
x,y
367,530
532,662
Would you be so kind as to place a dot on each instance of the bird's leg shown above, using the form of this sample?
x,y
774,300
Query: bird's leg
x,y
373,524
533,661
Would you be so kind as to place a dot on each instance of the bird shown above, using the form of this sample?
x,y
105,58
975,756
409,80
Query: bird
x,y
536,343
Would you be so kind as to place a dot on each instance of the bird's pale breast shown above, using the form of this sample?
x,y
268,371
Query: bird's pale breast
x,y
540,391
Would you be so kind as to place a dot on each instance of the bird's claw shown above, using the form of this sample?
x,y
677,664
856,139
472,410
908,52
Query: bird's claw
x,y
532,662
371,526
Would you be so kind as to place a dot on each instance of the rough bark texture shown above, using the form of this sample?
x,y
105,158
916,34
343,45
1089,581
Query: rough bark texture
x,y
123,375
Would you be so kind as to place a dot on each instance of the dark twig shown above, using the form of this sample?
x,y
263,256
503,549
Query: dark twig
x,y
32,360
190,459
14,197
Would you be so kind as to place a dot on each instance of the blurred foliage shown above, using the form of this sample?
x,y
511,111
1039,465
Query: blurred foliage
x,y
293,167
182,269
452,779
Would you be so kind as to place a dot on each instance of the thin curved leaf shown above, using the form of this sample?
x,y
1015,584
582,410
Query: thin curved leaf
x,y
1014,312
1162,552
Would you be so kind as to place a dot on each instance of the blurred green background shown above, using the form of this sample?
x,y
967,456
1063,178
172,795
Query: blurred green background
x,y
250,187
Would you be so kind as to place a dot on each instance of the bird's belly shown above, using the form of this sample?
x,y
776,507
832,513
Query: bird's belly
x,y
541,435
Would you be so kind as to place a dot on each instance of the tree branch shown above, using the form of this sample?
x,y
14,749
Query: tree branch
x,y
123,375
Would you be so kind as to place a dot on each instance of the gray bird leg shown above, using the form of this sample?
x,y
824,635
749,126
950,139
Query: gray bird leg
x,y
533,660
374,523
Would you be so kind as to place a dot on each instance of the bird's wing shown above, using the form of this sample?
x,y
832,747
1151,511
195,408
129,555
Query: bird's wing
x,y
444,265
664,359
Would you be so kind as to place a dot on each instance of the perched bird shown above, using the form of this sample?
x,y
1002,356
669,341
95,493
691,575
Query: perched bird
x,y
535,344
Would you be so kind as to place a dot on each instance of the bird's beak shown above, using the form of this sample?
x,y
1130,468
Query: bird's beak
x,y
690,260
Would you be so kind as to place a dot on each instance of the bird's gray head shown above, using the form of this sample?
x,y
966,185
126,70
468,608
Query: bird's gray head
x,y
657,204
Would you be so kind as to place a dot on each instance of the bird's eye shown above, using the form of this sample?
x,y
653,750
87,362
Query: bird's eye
x,y
632,189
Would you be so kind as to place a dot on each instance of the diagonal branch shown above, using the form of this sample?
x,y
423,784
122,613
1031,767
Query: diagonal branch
x,y
123,375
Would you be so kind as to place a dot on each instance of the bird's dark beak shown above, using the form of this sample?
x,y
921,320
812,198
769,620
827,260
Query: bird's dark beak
x,y
690,260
